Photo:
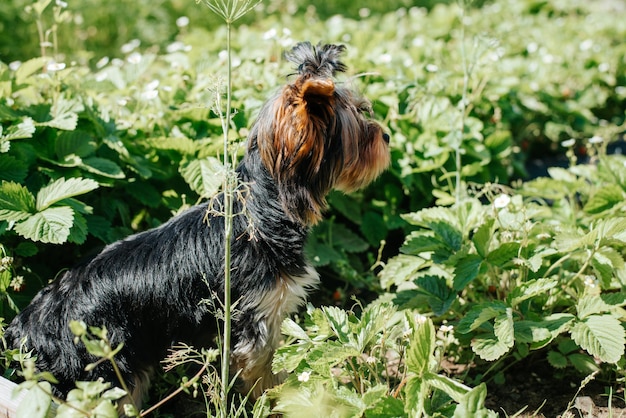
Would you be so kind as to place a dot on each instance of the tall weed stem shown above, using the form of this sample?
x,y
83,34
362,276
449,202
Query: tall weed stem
x,y
230,11
463,105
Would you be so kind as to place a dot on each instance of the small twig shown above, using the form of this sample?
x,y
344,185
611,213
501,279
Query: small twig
x,y
175,393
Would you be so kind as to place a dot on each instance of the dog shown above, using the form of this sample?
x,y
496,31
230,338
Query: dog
x,y
156,288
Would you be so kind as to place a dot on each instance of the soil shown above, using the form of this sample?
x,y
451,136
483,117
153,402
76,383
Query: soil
x,y
538,390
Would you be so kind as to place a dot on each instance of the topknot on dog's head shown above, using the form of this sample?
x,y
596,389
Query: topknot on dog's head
x,y
321,61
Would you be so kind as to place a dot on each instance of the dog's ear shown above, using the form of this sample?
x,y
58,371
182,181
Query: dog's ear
x,y
317,89
295,141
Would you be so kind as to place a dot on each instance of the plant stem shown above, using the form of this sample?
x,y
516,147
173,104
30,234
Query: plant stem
x,y
176,392
466,77
228,222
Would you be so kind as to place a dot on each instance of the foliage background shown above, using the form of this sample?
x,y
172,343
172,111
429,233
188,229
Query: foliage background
x,y
508,89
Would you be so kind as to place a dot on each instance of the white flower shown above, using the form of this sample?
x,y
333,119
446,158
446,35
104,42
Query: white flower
x,y
17,283
134,58
585,45
590,281
102,62
55,66
304,376
385,58
568,143
101,76
15,65
364,12
502,201
182,21
176,46
431,68
130,46
151,91
596,139
270,34
446,328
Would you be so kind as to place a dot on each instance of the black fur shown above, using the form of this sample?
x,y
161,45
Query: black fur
x,y
149,289
164,286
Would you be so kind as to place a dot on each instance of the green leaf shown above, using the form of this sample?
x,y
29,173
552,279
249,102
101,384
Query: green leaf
x,y
36,403
466,270
373,320
338,320
430,215
204,176
421,348
323,357
447,234
12,169
432,290
532,332
530,289
51,225
290,328
374,395
604,199
26,249
482,237
78,232
102,167
416,392
583,363
77,142
400,269
16,202
503,328
387,407
29,68
591,305
480,314
473,404
602,336
489,347
288,358
504,254
320,253
64,113
347,205
374,228
614,299
421,242
453,388
62,189
612,229
346,239
25,129
557,360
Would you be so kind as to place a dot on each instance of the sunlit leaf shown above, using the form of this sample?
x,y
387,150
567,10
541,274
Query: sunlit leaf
x,y
62,189
52,225
602,336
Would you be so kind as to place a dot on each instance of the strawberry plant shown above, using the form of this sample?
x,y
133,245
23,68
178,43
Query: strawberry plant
x,y
100,140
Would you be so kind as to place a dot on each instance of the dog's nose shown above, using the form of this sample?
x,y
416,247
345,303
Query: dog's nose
x,y
386,138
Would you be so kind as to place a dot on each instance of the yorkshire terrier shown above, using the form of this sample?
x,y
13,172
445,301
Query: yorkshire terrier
x,y
154,289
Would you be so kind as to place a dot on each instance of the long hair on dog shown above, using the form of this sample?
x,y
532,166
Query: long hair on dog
x,y
159,287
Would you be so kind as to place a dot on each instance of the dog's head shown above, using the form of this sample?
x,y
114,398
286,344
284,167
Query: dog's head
x,y
316,135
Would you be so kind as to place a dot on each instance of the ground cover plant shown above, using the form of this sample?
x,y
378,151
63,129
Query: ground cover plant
x,y
496,239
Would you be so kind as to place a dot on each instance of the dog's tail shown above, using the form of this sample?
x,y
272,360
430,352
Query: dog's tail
x,y
319,61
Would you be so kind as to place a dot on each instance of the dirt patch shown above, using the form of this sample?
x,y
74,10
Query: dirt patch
x,y
541,391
